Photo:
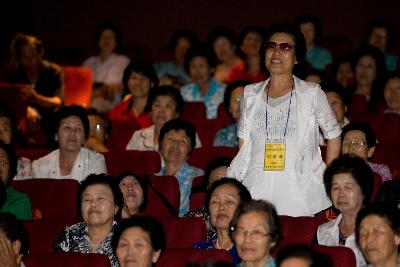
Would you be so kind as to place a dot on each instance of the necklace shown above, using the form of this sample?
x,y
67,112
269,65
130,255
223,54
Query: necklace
x,y
218,247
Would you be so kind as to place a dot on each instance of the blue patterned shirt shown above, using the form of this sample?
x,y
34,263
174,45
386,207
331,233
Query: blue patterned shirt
x,y
227,136
212,99
269,263
185,177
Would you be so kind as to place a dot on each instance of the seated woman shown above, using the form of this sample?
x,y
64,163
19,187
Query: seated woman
x,y
255,229
391,93
301,255
348,183
358,138
99,131
145,233
378,234
224,41
134,190
13,241
222,199
107,66
228,135
200,62
177,140
100,199
71,160
139,80
342,72
16,203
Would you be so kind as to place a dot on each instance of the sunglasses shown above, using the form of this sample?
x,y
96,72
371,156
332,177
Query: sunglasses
x,y
284,47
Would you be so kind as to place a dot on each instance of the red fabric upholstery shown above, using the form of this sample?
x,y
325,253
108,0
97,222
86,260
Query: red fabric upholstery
x,y
197,201
63,259
121,133
340,256
44,232
207,129
183,232
194,111
77,85
377,185
51,198
202,156
358,104
388,153
223,116
181,257
32,154
140,162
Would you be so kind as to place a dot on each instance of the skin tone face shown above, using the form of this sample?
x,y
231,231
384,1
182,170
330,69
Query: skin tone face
x,y
377,241
365,71
107,42
224,49
391,94
4,166
97,205
251,44
133,193
163,110
223,203
29,55
337,106
97,129
344,73
280,62
346,194
182,46
252,240
175,147
199,70
70,134
5,130
216,174
308,29
378,38
234,102
358,137
139,85
295,262
135,249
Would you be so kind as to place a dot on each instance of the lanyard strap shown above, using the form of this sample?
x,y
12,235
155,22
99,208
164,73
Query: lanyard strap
x,y
287,118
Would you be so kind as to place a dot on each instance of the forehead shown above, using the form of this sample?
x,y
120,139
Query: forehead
x,y
71,120
5,120
379,30
94,119
253,35
366,59
281,37
199,60
107,33
237,91
343,177
393,82
355,134
371,221
221,40
129,178
3,153
164,99
177,134
137,73
228,189
253,218
135,232
97,189
334,95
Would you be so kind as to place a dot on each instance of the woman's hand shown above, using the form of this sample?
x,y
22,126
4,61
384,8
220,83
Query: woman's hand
x,y
8,257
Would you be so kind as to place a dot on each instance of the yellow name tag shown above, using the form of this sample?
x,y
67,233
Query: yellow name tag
x,y
274,159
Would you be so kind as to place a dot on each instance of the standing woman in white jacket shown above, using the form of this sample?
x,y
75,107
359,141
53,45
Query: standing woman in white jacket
x,y
279,158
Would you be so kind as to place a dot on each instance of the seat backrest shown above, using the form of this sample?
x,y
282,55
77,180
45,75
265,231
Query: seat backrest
x,y
78,82
193,111
377,185
387,153
183,232
182,257
291,233
66,259
32,154
339,255
139,162
168,186
44,232
51,198
121,133
197,200
202,156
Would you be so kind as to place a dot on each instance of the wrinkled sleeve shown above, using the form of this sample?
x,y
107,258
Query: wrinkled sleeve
x,y
99,165
242,118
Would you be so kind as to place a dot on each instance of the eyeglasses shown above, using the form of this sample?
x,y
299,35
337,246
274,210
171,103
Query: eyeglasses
x,y
283,47
354,142
253,234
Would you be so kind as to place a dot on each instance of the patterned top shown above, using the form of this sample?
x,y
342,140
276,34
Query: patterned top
x,y
75,238
210,244
170,68
269,263
318,57
382,170
227,136
185,177
212,99
202,213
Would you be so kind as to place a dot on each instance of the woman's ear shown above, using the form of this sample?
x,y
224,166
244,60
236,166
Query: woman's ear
x,y
371,151
156,256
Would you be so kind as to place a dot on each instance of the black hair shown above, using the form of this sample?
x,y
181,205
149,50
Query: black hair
x,y
67,111
94,179
389,212
176,125
167,90
305,252
314,19
214,164
331,86
14,230
228,92
200,50
221,32
182,33
363,127
142,182
243,192
262,206
148,224
357,168
300,47
142,68
108,25
12,161
381,23
375,53
20,40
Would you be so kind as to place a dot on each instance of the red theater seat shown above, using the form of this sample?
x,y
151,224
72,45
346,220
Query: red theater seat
x,y
63,259
121,133
194,111
50,198
202,156
182,257
197,201
340,256
77,85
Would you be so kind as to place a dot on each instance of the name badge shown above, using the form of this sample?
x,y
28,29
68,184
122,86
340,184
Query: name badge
x,y
274,158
